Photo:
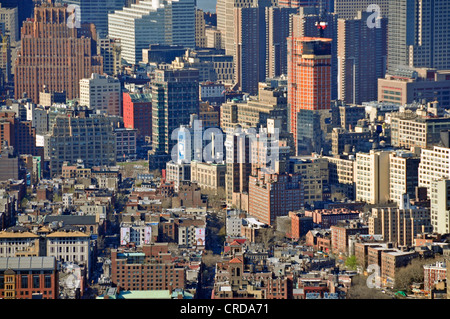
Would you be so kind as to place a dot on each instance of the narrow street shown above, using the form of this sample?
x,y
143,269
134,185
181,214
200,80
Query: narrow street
x,y
212,254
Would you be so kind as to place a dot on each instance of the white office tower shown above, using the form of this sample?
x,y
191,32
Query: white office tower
x,y
434,165
169,22
372,177
103,93
440,210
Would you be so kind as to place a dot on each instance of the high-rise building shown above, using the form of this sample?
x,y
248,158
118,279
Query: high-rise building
x,y
17,133
372,177
213,38
313,23
314,175
254,113
24,9
54,55
175,96
327,5
434,165
273,195
170,22
362,54
200,29
209,176
439,204
101,93
5,57
9,164
403,175
309,85
110,50
205,69
277,31
348,9
247,58
242,27
345,141
9,17
239,167
419,35
71,139
226,23
95,12
137,112
399,226
342,175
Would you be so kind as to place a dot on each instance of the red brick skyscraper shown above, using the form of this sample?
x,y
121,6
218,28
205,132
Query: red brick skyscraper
x,y
54,55
309,77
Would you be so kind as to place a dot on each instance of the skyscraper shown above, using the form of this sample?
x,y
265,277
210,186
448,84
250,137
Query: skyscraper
x,y
242,27
419,35
54,55
10,18
225,21
247,59
327,5
312,22
309,82
277,31
96,12
175,96
239,167
362,54
348,9
170,22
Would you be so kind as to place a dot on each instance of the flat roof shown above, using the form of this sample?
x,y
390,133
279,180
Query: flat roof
x,y
27,263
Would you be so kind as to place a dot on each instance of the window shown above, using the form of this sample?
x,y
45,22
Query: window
x,y
24,281
36,281
48,281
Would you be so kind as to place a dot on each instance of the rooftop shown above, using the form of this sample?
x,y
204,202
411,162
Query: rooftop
x,y
27,263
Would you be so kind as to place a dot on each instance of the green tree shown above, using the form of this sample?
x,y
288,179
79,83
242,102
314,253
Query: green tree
x,y
351,262
406,276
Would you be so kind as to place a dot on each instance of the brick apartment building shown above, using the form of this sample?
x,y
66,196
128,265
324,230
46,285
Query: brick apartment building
x,y
319,239
433,274
300,224
28,278
392,260
329,217
189,195
362,253
272,195
340,233
149,269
